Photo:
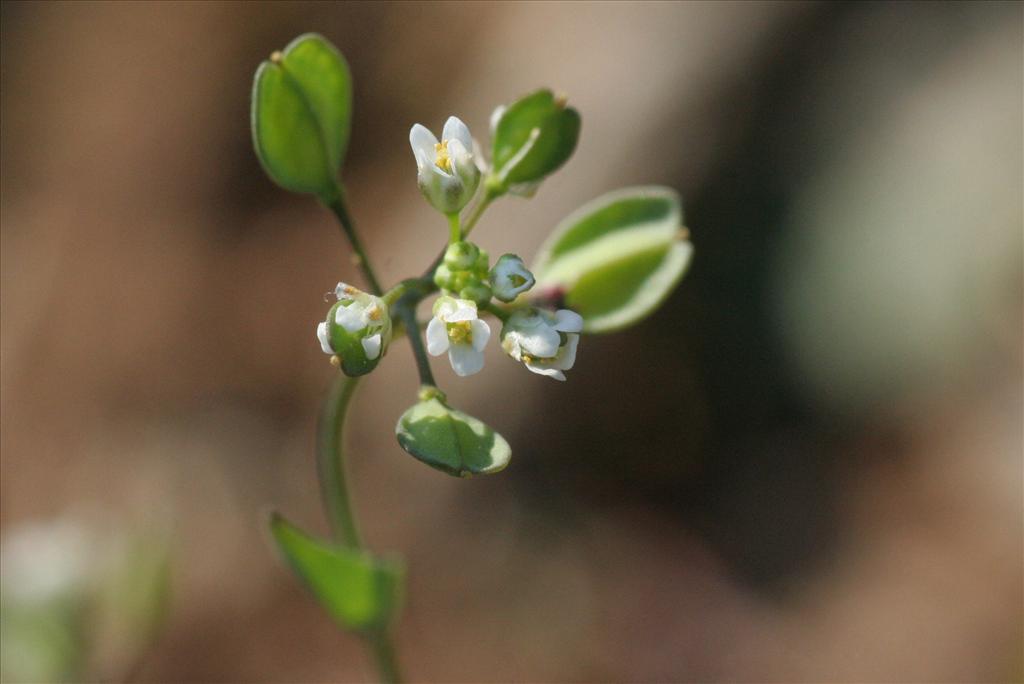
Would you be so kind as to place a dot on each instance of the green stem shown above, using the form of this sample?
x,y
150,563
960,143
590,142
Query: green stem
x,y
338,501
500,313
330,461
478,211
454,229
474,216
337,205
384,655
406,311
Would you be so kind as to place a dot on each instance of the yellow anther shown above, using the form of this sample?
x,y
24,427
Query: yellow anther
x,y
443,161
276,57
460,333
373,313
335,360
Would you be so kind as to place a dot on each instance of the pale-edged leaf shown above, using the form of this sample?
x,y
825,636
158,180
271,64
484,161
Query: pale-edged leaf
x,y
450,440
616,258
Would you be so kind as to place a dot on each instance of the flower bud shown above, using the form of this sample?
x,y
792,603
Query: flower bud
x,y
444,278
461,256
446,171
509,278
357,330
477,292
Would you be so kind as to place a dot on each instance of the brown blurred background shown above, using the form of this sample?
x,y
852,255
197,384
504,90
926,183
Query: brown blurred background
x,y
806,467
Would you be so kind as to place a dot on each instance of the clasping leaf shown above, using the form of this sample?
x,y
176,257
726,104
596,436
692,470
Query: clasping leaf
x,y
361,592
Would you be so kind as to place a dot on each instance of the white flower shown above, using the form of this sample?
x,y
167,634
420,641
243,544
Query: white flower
x,y
510,278
455,328
357,317
544,341
447,172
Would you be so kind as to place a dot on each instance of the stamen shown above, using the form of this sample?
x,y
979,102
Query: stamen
x,y
443,161
335,360
461,332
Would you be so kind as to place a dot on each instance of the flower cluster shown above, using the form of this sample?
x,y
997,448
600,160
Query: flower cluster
x,y
358,327
544,341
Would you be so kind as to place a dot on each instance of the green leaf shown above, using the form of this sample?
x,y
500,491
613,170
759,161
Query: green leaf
x,y
301,115
546,125
616,258
450,440
362,593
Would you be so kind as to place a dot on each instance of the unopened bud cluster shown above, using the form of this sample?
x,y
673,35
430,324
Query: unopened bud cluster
x,y
464,272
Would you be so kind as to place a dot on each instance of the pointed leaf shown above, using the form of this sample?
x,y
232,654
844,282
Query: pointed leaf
x,y
362,593
545,124
450,440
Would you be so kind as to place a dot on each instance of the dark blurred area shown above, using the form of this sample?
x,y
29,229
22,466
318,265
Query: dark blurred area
x,y
807,466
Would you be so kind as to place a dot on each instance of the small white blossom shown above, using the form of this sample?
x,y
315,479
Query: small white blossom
x,y
510,278
362,316
544,341
455,328
447,172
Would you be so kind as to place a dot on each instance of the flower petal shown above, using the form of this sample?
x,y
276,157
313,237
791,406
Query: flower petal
x,y
352,317
542,341
371,345
481,332
344,291
567,355
568,321
496,115
465,360
553,373
454,129
465,310
422,142
325,339
437,337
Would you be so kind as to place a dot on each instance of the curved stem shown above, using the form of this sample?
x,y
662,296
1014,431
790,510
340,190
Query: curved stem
x,y
330,462
407,313
499,313
337,205
330,459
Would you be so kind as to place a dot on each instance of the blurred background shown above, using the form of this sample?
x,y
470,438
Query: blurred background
x,y
806,467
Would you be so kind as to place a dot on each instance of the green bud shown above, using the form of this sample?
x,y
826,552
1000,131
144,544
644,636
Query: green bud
x,y
443,277
460,279
461,256
477,292
483,263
